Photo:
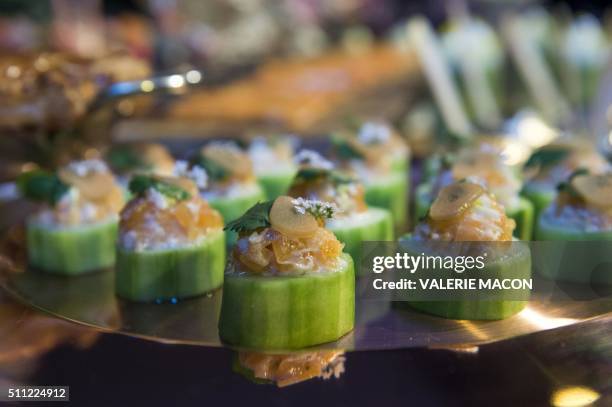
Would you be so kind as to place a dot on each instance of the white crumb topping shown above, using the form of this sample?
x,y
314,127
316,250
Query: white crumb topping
x,y
316,208
196,173
374,133
157,198
312,158
84,167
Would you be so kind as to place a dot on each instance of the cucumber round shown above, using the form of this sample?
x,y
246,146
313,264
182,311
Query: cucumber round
x,y
373,225
161,275
232,208
540,196
517,263
275,184
72,250
288,312
523,213
578,263
390,192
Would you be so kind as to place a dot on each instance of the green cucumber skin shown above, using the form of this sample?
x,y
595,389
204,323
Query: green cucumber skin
x,y
471,309
175,273
287,312
352,236
523,214
524,217
391,194
275,185
233,208
550,262
72,250
540,198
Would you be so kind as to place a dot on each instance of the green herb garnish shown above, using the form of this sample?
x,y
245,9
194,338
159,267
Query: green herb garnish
x,y
308,174
257,217
344,150
566,186
214,171
547,157
42,186
125,158
141,183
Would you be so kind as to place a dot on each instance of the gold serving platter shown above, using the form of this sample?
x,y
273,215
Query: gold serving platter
x,y
90,300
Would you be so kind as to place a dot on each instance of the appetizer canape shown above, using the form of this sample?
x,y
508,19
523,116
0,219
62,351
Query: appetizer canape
x,y
466,212
585,51
484,63
582,211
171,242
232,187
380,159
287,369
140,158
288,284
355,222
553,164
273,164
488,169
76,231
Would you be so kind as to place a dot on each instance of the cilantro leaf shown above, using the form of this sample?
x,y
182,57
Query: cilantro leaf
x,y
547,157
214,171
566,186
307,174
257,217
141,183
42,186
125,158
344,149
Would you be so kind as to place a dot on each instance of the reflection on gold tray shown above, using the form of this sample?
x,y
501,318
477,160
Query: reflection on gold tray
x,y
90,300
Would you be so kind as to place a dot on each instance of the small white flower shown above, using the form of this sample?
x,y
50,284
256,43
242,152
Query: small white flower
x,y
318,209
312,158
374,133
84,167
197,174
157,198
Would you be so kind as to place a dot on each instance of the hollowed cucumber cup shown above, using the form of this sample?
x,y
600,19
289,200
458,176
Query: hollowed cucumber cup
x,y
275,184
373,225
390,192
573,255
161,275
288,312
72,250
514,264
523,213
234,207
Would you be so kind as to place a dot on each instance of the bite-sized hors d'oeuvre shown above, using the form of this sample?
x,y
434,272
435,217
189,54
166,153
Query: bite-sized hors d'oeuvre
x,y
288,284
585,51
582,211
171,242
380,159
139,158
553,164
355,221
273,163
485,167
232,187
467,212
76,230
291,368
